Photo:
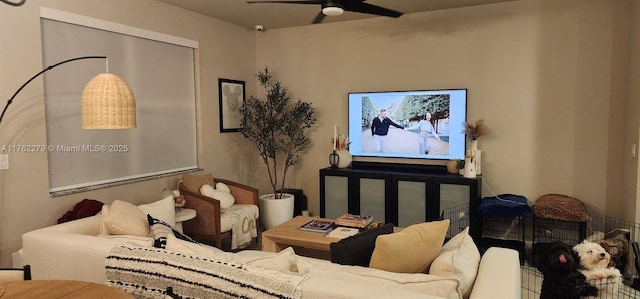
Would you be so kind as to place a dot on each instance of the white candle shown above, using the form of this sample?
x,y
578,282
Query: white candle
x,y
335,136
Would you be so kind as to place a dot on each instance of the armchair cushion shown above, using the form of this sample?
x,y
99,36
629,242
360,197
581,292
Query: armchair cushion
x,y
194,182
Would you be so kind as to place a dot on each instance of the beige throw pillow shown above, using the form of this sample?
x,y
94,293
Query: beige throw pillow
x,y
459,258
123,218
411,250
193,182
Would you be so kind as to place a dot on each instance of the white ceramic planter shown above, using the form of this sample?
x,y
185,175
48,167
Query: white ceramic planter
x,y
275,211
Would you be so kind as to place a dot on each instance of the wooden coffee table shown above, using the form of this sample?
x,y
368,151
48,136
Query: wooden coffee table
x,y
60,289
289,234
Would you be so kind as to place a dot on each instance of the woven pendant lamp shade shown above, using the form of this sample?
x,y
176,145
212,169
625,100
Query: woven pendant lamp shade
x,y
108,103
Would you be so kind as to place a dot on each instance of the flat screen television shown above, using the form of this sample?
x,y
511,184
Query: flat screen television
x,y
424,124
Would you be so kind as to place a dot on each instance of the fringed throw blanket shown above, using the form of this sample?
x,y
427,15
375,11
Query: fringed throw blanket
x,y
243,223
147,272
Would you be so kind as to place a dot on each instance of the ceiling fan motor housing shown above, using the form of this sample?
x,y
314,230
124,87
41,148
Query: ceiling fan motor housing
x,y
332,8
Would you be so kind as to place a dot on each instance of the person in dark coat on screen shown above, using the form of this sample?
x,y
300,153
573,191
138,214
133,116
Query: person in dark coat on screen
x,y
380,129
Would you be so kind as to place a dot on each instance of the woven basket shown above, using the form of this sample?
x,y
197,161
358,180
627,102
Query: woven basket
x,y
560,207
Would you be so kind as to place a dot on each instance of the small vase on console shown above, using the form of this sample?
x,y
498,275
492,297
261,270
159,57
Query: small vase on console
x,y
344,158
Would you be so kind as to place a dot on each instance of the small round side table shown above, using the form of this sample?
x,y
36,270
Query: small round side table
x,y
184,215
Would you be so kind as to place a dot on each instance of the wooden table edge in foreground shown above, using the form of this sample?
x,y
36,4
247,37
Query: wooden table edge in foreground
x,y
51,289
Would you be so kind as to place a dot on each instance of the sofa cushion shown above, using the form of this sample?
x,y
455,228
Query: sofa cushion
x,y
163,209
411,250
458,258
123,218
285,261
357,250
193,182
222,195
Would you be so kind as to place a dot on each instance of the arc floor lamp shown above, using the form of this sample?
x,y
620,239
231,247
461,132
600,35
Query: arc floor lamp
x,y
107,101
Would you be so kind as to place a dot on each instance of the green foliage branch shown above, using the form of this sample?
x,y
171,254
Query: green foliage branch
x,y
277,127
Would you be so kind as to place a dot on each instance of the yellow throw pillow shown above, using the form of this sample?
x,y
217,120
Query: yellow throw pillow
x,y
411,250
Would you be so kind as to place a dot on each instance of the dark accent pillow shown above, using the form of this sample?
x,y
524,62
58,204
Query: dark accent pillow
x,y
357,250
160,230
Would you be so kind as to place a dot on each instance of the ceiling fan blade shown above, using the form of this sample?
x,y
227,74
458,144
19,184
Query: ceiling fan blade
x,y
370,9
318,18
316,2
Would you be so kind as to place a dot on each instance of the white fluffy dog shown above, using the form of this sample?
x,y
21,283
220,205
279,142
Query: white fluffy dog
x,y
595,260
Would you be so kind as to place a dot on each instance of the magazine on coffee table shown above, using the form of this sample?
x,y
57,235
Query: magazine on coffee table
x,y
318,226
342,232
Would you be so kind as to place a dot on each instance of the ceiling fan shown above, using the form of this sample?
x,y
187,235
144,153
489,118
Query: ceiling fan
x,y
337,7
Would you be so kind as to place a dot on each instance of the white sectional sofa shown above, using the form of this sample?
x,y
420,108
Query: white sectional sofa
x,y
76,251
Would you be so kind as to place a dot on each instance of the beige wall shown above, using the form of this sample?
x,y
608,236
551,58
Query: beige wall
x,y
226,51
549,78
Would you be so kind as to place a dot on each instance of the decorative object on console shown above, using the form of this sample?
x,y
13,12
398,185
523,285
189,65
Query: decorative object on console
x,y
334,159
107,101
470,167
341,148
452,166
460,166
286,125
475,130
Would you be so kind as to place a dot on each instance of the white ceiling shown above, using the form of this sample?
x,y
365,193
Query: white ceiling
x,y
273,16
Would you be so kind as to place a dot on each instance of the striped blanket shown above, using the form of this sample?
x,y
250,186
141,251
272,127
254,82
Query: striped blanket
x,y
147,272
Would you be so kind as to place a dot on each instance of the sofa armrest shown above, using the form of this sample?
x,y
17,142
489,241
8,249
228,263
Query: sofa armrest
x,y
243,194
498,275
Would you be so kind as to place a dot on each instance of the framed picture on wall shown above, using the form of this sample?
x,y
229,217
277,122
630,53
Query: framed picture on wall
x,y
231,94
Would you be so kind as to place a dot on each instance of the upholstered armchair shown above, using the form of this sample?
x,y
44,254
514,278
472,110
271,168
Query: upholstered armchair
x,y
210,222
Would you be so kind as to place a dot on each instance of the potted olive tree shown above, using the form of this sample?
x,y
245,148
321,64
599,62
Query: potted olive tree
x,y
277,126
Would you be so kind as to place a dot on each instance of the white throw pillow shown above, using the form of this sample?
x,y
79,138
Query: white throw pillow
x,y
459,258
225,197
124,218
163,209
222,186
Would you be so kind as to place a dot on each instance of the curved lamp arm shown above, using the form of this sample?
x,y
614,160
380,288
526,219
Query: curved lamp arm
x,y
13,3
40,73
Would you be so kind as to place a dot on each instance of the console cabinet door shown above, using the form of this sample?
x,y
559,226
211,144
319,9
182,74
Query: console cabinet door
x,y
372,197
335,192
412,200
453,192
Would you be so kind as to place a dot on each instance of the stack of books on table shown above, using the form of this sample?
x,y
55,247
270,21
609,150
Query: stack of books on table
x,y
351,220
318,226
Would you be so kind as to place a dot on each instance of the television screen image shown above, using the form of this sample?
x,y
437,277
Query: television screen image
x,y
408,124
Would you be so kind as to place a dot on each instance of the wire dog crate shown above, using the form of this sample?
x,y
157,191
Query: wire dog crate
x,y
458,217
616,235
